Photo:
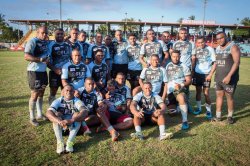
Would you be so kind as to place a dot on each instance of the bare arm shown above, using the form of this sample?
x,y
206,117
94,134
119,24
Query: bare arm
x,y
64,82
31,58
80,116
166,56
144,64
140,82
188,80
193,58
210,75
53,118
164,95
58,71
128,105
134,110
236,58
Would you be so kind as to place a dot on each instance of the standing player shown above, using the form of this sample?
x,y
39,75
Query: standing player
x,y
98,45
85,45
36,52
153,46
120,61
203,63
149,108
134,64
59,53
178,79
66,112
227,74
75,72
186,49
166,38
108,43
99,71
74,43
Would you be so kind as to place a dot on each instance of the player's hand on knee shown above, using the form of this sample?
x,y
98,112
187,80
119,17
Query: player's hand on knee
x,y
139,114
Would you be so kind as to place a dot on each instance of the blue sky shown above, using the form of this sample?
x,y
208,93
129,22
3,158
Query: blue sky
x,y
222,11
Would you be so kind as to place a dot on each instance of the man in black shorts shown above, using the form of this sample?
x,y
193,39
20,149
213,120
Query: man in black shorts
x,y
59,53
148,107
36,52
227,74
134,64
203,64
120,59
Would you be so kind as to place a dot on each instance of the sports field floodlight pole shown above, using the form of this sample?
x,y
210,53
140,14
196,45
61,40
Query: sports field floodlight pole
x,y
160,26
204,13
126,25
60,13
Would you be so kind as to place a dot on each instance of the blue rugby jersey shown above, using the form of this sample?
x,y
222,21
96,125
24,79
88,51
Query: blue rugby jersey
x,y
133,57
37,48
59,53
75,74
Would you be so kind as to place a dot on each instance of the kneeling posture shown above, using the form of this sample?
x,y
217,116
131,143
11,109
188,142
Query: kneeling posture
x,y
148,107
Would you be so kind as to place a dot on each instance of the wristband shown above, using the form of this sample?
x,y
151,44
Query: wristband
x,y
41,60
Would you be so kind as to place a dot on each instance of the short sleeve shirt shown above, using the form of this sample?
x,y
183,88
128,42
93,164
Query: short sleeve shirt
x,y
67,107
186,49
37,48
75,74
147,103
155,76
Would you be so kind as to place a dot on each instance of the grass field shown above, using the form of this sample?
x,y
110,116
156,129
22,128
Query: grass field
x,y
205,143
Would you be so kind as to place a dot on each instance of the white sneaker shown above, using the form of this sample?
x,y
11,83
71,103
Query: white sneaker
x,y
165,136
69,147
60,148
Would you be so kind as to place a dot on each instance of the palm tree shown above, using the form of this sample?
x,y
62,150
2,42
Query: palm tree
x,y
180,20
130,28
245,21
192,17
2,20
102,29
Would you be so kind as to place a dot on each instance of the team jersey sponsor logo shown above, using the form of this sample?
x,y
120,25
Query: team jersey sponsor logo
x,y
184,47
153,76
152,48
133,53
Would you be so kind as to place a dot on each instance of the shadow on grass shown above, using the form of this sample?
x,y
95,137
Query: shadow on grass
x,y
241,111
241,100
14,101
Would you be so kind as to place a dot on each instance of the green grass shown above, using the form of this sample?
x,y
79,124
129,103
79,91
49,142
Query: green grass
x,y
205,143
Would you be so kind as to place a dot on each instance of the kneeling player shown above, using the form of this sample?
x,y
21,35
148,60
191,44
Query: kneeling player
x,y
148,107
66,112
